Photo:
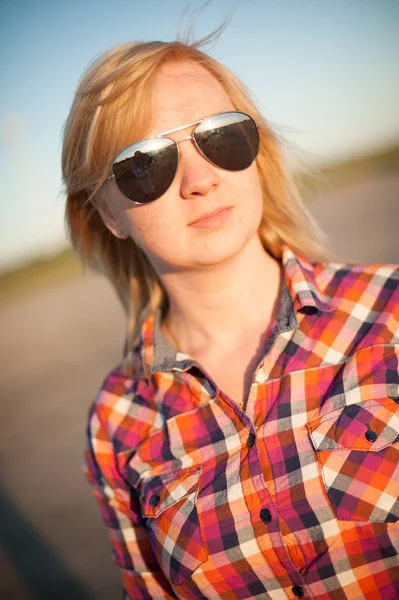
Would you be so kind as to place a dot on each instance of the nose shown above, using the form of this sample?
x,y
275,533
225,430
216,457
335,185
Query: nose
x,y
197,176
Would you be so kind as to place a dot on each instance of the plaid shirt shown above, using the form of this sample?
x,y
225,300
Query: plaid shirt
x,y
295,494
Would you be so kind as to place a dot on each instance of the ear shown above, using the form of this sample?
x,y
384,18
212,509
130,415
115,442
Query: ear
x,y
104,209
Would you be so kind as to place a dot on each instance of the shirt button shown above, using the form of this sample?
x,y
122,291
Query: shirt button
x,y
297,590
154,500
265,515
251,439
371,436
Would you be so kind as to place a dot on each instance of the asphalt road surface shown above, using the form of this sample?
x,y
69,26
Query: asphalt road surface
x,y
56,346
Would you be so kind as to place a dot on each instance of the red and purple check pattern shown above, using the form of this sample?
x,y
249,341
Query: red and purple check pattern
x,y
293,495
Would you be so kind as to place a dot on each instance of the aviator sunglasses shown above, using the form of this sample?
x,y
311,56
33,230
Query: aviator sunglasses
x,y
145,170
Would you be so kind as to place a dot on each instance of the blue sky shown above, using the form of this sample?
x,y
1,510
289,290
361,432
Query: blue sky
x,y
324,73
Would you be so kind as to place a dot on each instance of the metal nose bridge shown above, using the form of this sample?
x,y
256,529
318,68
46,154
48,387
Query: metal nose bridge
x,y
189,137
194,142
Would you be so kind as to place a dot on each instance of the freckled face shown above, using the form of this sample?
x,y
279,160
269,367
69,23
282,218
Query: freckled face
x,y
165,229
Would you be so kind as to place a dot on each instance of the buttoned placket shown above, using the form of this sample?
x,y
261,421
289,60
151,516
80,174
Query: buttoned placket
x,y
286,325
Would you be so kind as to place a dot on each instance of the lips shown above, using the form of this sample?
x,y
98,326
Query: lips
x,y
210,215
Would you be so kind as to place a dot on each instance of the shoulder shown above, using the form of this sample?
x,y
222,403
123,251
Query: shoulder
x,y
363,301
123,412
375,285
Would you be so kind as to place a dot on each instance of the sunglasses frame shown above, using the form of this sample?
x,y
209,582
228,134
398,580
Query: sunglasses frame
x,y
165,134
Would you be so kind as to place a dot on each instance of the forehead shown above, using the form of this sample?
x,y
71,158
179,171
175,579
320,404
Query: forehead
x,y
184,93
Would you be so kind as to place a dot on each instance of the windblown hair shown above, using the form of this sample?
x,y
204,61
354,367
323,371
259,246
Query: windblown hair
x,y
112,109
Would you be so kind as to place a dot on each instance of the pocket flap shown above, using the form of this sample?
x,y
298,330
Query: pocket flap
x,y
370,425
162,491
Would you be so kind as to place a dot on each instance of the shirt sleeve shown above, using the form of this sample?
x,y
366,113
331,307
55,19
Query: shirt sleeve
x,y
142,576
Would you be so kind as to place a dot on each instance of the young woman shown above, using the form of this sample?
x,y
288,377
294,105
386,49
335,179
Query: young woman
x,y
247,446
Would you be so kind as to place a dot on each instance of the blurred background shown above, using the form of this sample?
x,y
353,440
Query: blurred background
x,y
325,75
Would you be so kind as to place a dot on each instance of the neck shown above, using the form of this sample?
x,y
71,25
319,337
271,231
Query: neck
x,y
222,305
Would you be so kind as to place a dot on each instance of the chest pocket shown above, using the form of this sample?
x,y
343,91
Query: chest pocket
x,y
168,503
358,451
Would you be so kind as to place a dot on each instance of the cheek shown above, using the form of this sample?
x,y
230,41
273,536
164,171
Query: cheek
x,y
141,225
139,221
255,181
150,227
252,193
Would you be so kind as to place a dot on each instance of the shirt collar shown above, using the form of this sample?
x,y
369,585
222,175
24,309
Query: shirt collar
x,y
299,291
300,276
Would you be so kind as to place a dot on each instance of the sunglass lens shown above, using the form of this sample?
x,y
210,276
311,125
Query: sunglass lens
x,y
229,140
144,171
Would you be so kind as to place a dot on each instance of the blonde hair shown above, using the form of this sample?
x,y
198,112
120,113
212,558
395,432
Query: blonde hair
x,y
115,91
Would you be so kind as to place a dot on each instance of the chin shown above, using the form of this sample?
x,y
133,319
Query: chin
x,y
217,251
206,249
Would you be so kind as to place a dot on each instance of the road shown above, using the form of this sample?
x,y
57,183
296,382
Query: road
x,y
57,344
362,220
